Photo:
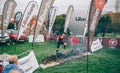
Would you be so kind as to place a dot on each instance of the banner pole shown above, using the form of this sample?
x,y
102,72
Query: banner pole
x,y
15,27
88,47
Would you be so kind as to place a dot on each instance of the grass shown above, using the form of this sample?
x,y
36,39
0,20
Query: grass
x,y
103,61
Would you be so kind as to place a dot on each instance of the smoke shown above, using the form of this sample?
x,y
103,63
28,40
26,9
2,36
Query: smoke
x,y
77,51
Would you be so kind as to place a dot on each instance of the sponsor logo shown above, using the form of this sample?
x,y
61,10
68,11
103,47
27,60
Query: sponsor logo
x,y
100,4
79,19
113,42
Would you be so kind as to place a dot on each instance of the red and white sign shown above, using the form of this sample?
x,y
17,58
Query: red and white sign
x,y
100,4
111,42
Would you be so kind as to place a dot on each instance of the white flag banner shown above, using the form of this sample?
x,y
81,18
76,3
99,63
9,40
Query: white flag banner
x,y
28,63
8,10
52,19
28,14
69,14
42,14
86,22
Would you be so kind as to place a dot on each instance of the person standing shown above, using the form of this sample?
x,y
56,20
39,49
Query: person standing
x,y
61,41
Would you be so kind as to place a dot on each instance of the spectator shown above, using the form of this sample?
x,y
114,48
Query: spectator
x,y
11,24
13,61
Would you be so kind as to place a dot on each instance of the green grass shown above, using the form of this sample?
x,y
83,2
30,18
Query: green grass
x,y
102,61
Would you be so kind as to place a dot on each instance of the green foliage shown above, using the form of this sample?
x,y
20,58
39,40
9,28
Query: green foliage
x,y
59,23
103,25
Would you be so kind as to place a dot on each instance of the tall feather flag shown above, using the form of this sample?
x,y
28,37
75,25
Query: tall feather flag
x,y
17,19
42,14
8,10
69,14
27,16
94,16
86,22
52,19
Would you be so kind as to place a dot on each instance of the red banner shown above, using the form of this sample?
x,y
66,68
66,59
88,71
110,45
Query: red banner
x,y
94,16
111,42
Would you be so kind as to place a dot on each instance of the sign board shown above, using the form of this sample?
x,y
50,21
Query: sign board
x,y
40,38
111,42
96,45
28,63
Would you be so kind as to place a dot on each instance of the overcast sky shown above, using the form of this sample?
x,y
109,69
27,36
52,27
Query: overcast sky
x,y
80,10
62,5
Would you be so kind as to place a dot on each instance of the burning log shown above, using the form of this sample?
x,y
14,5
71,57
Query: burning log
x,y
59,57
49,59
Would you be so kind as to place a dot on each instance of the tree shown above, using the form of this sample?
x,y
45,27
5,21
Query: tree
x,y
59,23
103,24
